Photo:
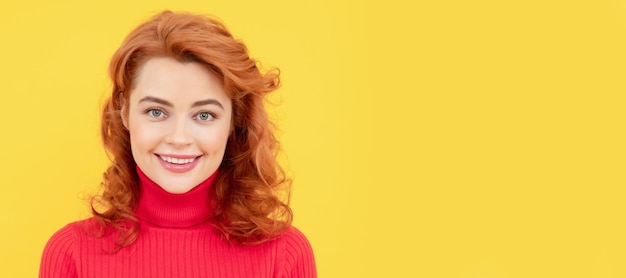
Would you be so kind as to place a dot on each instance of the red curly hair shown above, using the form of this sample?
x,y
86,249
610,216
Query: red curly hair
x,y
247,188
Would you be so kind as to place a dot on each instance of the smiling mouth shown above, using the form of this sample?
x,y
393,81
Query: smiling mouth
x,y
178,161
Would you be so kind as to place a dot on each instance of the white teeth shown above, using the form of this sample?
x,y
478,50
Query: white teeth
x,y
179,161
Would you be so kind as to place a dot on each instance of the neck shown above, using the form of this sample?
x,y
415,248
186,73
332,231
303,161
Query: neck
x,y
161,208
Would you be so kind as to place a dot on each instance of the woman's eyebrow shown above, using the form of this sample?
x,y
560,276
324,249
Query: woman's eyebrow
x,y
207,102
169,104
157,100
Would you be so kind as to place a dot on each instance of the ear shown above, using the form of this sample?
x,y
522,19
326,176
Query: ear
x,y
124,111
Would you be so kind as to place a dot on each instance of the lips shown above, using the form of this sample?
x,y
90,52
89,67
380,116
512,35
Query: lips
x,y
178,163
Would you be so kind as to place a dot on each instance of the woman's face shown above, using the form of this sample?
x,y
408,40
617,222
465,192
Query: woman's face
x,y
179,119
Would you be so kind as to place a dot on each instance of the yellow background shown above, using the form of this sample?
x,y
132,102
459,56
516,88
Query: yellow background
x,y
433,139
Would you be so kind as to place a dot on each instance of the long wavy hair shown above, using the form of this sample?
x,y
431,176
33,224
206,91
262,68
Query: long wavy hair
x,y
249,190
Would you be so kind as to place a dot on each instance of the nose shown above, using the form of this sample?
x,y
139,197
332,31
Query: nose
x,y
178,134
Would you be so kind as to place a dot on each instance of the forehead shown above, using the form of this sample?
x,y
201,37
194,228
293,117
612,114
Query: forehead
x,y
176,81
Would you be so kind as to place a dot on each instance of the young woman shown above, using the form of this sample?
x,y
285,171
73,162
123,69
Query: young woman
x,y
193,187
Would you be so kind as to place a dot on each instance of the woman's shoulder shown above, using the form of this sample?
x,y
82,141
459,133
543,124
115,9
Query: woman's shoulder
x,y
62,240
90,224
297,255
295,238
65,238
59,254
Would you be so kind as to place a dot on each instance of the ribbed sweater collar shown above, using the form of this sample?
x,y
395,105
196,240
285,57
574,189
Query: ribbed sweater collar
x,y
161,208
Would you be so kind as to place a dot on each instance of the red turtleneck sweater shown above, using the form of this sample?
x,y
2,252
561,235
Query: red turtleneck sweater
x,y
175,240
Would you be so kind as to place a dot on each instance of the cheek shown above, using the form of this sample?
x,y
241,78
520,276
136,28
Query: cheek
x,y
142,137
214,140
